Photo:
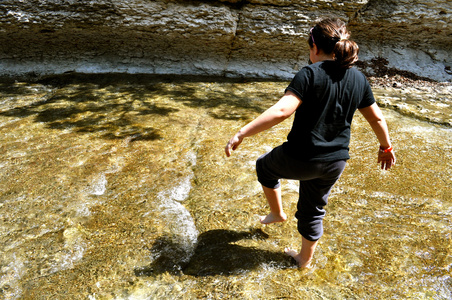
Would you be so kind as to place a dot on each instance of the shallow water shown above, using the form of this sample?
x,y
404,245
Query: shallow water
x,y
117,187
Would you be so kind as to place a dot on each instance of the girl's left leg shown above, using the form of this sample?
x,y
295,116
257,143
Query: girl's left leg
x,y
275,202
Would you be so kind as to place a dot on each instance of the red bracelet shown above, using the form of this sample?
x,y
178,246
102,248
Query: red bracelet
x,y
386,150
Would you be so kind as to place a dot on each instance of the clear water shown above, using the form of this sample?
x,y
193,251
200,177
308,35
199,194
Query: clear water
x,y
117,187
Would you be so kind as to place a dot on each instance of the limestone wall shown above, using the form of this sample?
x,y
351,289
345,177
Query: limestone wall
x,y
254,38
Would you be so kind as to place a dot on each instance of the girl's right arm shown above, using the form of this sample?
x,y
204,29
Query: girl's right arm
x,y
375,118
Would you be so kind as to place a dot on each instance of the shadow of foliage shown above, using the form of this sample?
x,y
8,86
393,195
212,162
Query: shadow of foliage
x,y
108,103
215,254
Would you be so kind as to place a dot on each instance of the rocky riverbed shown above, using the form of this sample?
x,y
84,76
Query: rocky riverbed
x,y
422,99
116,187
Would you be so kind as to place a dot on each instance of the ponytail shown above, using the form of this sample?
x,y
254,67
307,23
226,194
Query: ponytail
x,y
346,53
331,36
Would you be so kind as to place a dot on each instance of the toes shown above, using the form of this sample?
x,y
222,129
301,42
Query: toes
x,y
290,252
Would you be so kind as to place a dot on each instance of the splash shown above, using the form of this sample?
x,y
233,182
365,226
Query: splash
x,y
72,251
11,275
177,218
98,186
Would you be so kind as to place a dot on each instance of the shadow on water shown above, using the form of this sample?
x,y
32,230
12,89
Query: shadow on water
x,y
110,104
216,254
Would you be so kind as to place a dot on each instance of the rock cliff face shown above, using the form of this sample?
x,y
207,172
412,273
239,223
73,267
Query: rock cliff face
x,y
236,38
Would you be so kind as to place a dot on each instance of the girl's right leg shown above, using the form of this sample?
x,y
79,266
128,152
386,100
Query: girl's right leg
x,y
304,257
313,197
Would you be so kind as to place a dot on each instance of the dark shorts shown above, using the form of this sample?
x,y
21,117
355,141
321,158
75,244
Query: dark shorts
x,y
316,180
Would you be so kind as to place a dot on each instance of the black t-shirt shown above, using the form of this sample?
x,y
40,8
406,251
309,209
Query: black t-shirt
x,y
330,97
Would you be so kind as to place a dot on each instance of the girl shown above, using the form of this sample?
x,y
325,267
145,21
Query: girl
x,y
324,97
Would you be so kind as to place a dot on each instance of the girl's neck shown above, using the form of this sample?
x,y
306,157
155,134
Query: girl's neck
x,y
317,55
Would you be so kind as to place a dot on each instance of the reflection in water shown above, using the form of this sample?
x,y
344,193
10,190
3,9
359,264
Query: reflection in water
x,y
116,187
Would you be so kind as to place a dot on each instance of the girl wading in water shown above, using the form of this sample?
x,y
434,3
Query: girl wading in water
x,y
324,97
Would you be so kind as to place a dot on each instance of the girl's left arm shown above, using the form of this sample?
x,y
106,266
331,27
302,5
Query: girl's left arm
x,y
283,109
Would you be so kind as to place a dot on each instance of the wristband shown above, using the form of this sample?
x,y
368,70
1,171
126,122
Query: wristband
x,y
386,150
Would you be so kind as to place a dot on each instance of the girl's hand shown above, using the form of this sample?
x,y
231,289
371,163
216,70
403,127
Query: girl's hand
x,y
387,158
233,143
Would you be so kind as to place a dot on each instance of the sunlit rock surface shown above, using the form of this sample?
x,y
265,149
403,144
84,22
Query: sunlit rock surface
x,y
117,187
255,38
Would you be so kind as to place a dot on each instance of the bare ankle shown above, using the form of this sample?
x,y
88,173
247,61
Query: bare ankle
x,y
302,263
305,264
273,218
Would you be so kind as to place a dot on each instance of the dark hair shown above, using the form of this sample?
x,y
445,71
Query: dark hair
x,y
331,36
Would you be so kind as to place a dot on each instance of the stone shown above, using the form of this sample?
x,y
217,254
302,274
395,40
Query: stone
x,y
234,38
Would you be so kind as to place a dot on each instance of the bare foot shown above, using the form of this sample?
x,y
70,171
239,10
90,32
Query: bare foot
x,y
271,218
296,256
